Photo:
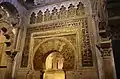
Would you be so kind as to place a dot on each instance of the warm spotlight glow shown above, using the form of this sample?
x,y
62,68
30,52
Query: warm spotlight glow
x,y
54,65
54,61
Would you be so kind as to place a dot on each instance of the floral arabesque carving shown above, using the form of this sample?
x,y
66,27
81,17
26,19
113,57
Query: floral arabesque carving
x,y
86,47
54,45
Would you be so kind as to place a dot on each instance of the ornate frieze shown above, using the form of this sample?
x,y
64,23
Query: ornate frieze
x,y
58,24
80,9
63,12
40,16
33,18
56,14
47,15
71,11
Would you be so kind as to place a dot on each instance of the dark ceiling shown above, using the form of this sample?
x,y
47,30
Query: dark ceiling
x,y
113,6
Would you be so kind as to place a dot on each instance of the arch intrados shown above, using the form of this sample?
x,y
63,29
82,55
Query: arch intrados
x,y
46,54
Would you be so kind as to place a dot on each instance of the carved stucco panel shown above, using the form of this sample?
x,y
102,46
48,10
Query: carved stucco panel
x,y
76,23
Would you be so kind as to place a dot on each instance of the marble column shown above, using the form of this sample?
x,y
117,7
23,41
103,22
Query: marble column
x,y
108,62
9,68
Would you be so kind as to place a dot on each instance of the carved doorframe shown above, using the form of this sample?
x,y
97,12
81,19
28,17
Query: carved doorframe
x,y
55,34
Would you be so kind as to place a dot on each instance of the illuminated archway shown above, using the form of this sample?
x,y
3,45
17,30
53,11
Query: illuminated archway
x,y
54,61
54,66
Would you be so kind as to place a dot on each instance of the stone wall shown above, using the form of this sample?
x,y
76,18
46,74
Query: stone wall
x,y
71,20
